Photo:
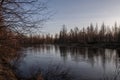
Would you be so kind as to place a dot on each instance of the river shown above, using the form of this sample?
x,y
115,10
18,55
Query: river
x,y
81,63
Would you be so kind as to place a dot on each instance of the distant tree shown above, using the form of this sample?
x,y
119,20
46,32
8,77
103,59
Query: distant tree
x,y
63,34
115,31
102,33
76,31
71,36
90,32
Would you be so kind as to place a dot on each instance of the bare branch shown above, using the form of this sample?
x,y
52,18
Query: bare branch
x,y
23,14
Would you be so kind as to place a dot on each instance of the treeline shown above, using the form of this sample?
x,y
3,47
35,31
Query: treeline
x,y
89,35
36,39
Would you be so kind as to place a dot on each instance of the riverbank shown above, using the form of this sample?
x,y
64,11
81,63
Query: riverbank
x,y
111,45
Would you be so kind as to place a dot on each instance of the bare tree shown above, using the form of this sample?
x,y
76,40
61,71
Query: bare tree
x,y
22,15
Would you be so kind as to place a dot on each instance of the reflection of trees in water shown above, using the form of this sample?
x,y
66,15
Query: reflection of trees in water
x,y
94,56
77,54
118,60
118,52
63,52
41,49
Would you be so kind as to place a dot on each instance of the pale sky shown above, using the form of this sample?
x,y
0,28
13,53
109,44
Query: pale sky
x,y
81,13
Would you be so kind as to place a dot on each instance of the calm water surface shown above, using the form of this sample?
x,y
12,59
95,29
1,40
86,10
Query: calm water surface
x,y
83,63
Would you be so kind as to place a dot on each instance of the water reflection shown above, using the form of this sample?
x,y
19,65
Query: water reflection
x,y
84,63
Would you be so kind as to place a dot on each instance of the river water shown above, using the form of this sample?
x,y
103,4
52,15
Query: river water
x,y
80,63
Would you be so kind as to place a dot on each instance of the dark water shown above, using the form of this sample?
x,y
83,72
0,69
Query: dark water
x,y
82,63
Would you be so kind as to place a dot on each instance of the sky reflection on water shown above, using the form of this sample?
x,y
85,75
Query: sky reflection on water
x,y
83,63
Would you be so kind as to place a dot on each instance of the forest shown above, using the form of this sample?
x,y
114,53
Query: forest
x,y
91,35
